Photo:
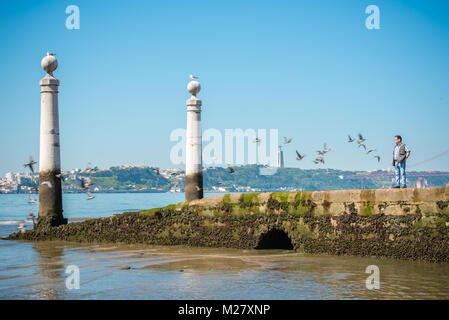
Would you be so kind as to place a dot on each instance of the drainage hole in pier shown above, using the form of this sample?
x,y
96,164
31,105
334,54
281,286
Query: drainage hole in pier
x,y
275,239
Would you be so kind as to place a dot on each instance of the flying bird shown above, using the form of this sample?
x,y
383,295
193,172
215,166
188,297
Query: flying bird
x,y
350,139
378,158
370,150
30,164
84,185
197,188
31,200
193,77
231,170
362,145
319,159
60,176
361,139
257,140
326,149
21,228
156,169
88,182
321,153
31,217
287,140
91,196
89,168
299,156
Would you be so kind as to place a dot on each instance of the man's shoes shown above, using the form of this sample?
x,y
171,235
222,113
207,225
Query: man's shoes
x,y
404,187
396,187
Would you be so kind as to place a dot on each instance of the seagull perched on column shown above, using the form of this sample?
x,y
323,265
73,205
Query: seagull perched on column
x,y
193,77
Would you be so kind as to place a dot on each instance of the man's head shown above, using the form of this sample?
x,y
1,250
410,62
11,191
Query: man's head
x,y
397,139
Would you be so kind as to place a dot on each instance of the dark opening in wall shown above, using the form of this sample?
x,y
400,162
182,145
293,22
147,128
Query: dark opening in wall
x,y
275,239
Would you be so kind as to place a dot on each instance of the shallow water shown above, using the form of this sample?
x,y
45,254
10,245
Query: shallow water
x,y
37,270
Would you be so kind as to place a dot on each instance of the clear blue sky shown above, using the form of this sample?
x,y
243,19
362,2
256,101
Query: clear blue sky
x,y
309,68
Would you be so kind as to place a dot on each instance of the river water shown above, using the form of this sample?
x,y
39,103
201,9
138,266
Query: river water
x,y
38,270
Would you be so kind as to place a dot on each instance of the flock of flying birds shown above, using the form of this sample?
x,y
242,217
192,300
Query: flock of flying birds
x,y
321,153
361,144
85,183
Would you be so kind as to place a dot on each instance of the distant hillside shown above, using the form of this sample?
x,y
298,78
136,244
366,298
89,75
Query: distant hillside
x,y
314,179
129,178
138,178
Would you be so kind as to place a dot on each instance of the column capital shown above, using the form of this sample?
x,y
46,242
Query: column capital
x,y
193,102
49,84
49,81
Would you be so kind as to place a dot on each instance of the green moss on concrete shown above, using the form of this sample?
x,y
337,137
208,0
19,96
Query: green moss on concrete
x,y
304,230
241,223
367,209
280,196
226,199
152,212
249,199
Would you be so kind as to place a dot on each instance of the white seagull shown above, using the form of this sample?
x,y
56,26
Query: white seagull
x,y
47,183
91,196
193,77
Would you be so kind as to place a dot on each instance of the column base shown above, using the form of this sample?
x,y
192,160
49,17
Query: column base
x,y
194,186
52,221
50,199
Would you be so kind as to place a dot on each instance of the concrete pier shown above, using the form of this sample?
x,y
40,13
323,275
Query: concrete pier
x,y
50,192
397,223
194,173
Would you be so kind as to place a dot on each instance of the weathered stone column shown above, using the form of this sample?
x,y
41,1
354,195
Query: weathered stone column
x,y
194,172
50,192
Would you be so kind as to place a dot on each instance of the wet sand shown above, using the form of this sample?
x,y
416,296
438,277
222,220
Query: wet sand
x,y
148,272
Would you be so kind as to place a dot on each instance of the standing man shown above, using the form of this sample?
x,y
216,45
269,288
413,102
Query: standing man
x,y
400,155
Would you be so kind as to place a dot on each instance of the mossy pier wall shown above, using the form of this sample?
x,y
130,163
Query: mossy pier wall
x,y
396,223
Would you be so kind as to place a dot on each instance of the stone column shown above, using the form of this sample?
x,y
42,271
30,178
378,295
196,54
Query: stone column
x,y
194,172
50,192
